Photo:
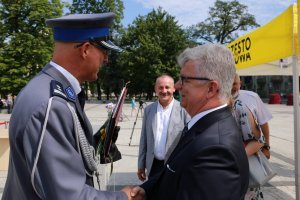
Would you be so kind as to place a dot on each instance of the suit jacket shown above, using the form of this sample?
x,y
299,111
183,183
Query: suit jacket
x,y
61,171
209,163
178,119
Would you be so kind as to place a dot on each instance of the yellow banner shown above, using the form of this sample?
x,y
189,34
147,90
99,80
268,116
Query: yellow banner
x,y
267,43
296,28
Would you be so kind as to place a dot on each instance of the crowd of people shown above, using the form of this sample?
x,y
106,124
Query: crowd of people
x,y
195,148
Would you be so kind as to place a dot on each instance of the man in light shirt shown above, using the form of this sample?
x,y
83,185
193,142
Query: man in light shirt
x,y
163,123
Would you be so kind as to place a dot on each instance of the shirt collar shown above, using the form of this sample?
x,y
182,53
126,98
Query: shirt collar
x,y
202,114
161,108
73,81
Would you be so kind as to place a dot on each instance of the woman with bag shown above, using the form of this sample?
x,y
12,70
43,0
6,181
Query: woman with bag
x,y
252,137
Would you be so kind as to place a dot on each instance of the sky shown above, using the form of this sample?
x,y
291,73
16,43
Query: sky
x,y
191,12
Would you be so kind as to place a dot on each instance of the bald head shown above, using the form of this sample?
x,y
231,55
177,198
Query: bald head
x,y
66,55
82,60
164,89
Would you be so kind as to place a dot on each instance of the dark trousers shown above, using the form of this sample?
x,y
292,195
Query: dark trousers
x,y
157,166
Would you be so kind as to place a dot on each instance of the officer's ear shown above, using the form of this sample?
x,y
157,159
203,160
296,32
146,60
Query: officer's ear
x,y
84,49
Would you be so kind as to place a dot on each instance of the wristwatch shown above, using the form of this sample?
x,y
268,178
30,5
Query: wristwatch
x,y
266,146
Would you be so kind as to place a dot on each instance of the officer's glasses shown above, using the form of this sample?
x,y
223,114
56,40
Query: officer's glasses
x,y
183,79
95,44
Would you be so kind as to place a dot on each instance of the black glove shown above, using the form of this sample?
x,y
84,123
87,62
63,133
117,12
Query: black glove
x,y
97,135
116,134
114,153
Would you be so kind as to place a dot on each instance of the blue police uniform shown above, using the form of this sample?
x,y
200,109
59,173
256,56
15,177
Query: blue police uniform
x,y
46,159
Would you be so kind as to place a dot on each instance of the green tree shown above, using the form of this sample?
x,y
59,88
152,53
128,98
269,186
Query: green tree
x,y
26,41
100,6
109,75
225,20
151,45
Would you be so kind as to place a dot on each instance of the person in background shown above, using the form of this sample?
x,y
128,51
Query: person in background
x,y
252,137
9,102
1,103
258,109
161,129
133,105
51,138
210,161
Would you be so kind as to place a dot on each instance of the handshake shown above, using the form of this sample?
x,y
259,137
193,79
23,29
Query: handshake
x,y
134,192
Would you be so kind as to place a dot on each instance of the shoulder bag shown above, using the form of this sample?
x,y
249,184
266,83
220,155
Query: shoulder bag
x,y
261,170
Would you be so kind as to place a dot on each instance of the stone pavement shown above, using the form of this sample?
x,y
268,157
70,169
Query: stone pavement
x,y
281,187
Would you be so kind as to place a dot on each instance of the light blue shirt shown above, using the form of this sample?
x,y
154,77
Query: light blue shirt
x,y
74,82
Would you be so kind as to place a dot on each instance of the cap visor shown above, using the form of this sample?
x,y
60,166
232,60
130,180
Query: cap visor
x,y
110,45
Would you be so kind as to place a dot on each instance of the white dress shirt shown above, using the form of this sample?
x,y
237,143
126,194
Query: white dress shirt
x,y
202,114
160,136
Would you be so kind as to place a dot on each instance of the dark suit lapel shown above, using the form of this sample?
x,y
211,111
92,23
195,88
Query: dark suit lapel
x,y
55,74
199,127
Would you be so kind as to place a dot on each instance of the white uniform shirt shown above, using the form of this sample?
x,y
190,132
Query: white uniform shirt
x,y
255,105
73,81
160,136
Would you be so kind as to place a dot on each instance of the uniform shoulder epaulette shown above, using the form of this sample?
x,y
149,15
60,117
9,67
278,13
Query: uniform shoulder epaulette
x,y
57,89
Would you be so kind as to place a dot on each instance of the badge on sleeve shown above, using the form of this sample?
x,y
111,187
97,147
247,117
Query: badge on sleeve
x,y
58,90
71,93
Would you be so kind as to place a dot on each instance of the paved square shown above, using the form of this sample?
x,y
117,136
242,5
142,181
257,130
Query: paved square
x,y
281,187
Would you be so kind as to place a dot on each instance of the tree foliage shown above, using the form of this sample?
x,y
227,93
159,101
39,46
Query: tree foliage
x,y
100,6
151,42
151,45
225,20
26,41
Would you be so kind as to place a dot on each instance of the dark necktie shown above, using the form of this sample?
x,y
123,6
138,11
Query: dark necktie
x,y
184,131
81,98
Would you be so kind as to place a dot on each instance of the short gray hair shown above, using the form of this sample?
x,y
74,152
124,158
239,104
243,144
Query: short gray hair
x,y
163,76
213,61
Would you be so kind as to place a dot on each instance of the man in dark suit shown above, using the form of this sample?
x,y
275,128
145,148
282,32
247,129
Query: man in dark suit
x,y
209,162
51,139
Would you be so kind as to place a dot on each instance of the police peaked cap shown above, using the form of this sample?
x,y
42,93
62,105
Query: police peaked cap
x,y
84,28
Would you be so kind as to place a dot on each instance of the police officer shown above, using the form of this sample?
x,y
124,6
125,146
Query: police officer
x,y
51,139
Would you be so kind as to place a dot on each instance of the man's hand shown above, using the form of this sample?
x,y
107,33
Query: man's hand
x,y
134,193
141,174
266,152
138,193
127,191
